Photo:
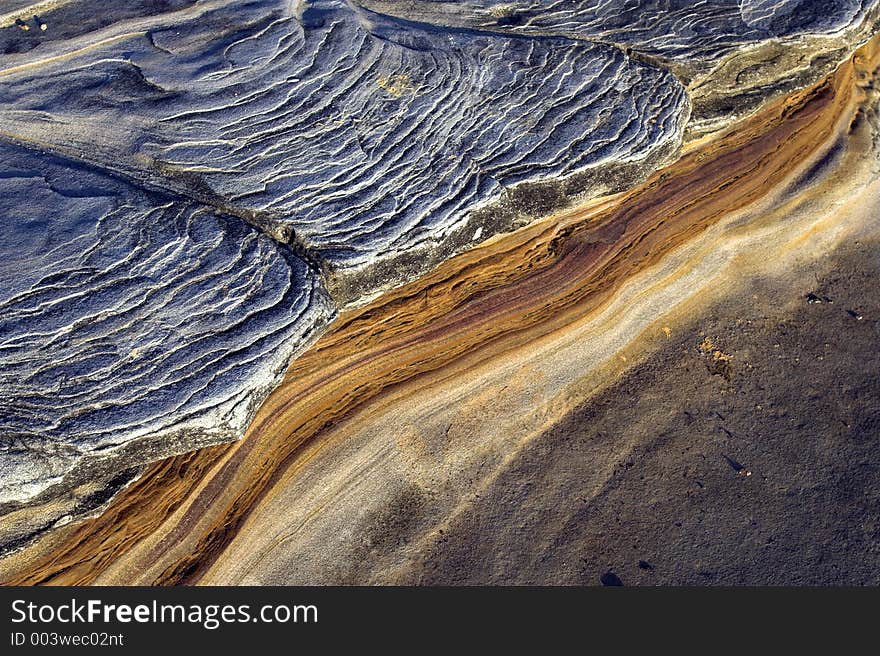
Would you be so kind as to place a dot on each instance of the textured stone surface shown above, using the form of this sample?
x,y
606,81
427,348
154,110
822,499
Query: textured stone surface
x,y
366,136
521,414
167,165
670,29
654,469
192,192
127,315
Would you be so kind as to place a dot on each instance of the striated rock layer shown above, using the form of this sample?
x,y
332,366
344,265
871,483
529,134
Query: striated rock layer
x,y
524,412
357,137
188,184
697,33
132,325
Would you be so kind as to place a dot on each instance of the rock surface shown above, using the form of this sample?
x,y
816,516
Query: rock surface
x,y
694,32
132,317
194,191
364,137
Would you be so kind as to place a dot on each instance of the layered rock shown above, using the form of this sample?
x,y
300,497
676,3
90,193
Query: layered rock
x,y
360,138
191,159
132,325
194,190
695,34
475,426
732,55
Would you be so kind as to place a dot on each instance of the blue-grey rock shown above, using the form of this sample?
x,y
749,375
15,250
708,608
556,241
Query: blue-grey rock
x,y
131,317
368,136
190,190
698,32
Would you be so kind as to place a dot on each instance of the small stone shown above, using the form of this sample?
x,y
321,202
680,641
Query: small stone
x,y
610,579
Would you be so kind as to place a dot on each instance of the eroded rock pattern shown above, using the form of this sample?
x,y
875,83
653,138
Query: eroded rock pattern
x,y
671,29
191,191
367,137
127,315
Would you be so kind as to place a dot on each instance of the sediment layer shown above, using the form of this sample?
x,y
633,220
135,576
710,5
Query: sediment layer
x,y
196,189
188,185
377,450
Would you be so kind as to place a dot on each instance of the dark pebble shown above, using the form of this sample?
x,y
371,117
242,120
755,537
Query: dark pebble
x,y
610,579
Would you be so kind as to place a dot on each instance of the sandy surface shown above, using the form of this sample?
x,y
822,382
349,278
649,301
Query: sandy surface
x,y
642,480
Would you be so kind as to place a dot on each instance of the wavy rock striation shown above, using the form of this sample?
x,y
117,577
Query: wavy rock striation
x,y
194,190
371,462
732,55
696,33
132,319
209,149
364,137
